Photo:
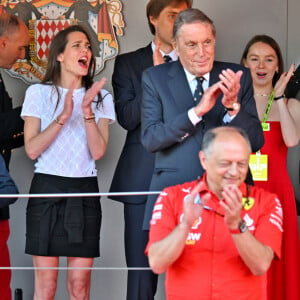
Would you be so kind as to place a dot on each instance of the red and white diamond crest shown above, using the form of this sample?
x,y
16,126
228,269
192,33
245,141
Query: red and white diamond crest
x,y
102,19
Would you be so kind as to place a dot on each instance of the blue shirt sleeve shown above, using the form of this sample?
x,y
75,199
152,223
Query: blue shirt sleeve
x,y
7,185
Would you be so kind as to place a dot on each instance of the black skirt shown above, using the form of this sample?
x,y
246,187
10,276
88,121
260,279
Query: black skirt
x,y
65,226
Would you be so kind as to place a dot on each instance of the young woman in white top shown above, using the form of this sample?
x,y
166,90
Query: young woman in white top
x,y
66,129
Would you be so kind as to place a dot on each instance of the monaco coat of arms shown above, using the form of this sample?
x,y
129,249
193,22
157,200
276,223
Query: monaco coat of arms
x,y
102,19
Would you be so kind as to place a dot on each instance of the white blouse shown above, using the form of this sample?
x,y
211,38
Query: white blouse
x,y
68,155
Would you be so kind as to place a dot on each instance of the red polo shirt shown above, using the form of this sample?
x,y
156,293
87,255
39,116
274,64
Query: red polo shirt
x,y
210,266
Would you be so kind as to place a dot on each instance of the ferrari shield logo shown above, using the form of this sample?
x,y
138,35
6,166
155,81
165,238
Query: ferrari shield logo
x,y
102,19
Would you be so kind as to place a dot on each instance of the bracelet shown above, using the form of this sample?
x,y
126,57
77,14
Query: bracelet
x,y
57,122
279,97
90,118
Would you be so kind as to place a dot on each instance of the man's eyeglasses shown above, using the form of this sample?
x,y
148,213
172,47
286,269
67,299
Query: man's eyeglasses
x,y
197,200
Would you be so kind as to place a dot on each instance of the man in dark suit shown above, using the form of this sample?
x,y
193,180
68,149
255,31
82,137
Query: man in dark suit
x,y
14,38
135,166
7,185
173,122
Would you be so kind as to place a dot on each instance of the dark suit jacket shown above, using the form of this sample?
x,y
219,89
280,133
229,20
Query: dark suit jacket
x,y
168,132
135,166
11,126
7,185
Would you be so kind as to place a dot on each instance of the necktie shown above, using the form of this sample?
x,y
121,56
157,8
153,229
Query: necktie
x,y
199,90
167,58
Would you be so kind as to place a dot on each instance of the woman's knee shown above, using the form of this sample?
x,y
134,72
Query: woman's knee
x,y
45,289
79,286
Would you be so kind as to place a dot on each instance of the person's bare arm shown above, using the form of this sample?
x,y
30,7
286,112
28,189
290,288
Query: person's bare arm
x,y
255,255
289,117
164,252
97,134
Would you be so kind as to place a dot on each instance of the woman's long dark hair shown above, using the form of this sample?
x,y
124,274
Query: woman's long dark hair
x,y
263,38
57,46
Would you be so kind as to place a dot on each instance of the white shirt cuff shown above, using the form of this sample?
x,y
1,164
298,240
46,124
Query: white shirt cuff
x,y
193,117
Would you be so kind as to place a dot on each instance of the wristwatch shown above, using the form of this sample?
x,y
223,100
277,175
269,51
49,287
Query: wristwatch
x,y
235,106
241,229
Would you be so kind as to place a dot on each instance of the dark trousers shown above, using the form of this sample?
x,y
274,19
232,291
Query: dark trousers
x,y
141,284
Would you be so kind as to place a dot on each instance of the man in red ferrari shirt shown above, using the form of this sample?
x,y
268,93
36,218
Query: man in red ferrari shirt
x,y
216,237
